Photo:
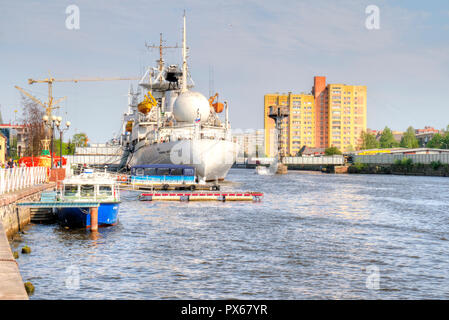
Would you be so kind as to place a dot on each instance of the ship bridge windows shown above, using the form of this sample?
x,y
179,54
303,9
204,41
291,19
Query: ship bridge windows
x,y
87,190
70,190
105,190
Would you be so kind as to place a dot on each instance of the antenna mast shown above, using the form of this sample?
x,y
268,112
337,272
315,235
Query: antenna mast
x,y
184,57
161,54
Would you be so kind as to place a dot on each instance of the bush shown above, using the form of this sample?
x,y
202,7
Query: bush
x,y
406,162
359,166
419,166
436,165
331,151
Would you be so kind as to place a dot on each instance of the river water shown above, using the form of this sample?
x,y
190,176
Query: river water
x,y
314,236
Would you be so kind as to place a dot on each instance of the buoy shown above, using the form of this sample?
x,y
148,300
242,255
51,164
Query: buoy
x,y
15,254
26,250
29,288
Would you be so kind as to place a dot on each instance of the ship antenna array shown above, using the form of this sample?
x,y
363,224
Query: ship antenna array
x,y
161,47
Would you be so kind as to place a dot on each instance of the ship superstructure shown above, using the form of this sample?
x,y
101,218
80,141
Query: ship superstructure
x,y
174,125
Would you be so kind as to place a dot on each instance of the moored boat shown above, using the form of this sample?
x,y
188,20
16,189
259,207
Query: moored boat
x,y
89,187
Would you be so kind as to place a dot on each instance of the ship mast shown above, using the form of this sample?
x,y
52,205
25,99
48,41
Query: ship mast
x,y
161,54
184,57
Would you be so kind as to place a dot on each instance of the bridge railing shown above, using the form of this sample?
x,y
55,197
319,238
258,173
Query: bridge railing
x,y
19,178
324,160
391,158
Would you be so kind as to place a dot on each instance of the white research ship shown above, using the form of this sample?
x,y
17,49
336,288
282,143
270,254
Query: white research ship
x,y
173,125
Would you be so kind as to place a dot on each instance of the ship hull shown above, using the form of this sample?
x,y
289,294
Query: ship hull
x,y
80,218
212,159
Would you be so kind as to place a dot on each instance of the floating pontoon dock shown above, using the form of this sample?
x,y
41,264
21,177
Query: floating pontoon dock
x,y
202,196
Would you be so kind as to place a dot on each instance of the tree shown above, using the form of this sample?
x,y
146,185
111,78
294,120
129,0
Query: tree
x,y
80,139
409,139
387,139
35,133
368,141
67,148
70,148
436,142
439,141
331,151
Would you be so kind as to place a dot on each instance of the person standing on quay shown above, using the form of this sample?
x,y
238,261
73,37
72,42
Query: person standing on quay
x,y
10,163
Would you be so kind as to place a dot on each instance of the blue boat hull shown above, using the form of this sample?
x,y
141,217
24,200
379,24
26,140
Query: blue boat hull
x,y
80,217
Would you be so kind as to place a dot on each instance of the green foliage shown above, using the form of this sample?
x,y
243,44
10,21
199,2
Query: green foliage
x,y
70,148
368,141
403,164
436,165
67,148
331,151
409,139
406,162
359,166
419,166
387,139
439,141
80,139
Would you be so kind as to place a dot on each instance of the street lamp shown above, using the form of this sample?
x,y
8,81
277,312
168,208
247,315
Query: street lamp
x,y
61,130
50,122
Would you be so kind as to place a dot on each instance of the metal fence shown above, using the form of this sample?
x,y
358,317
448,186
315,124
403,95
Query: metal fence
x,y
19,178
103,150
336,160
94,159
391,158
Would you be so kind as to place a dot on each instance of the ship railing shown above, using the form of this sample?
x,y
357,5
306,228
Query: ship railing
x,y
14,179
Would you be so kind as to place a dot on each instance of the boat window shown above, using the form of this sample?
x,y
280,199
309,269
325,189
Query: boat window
x,y
150,171
188,172
163,172
139,172
87,190
176,172
70,189
105,190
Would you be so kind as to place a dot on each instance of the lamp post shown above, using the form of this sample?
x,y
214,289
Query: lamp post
x,y
50,122
61,131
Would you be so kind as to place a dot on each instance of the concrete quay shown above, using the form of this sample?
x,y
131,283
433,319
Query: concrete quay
x,y
11,283
12,219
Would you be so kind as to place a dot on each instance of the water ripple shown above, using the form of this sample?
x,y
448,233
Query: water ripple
x,y
314,236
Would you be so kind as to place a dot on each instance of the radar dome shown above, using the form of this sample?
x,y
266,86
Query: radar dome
x,y
188,104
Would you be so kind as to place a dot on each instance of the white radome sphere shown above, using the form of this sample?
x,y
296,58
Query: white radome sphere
x,y
188,104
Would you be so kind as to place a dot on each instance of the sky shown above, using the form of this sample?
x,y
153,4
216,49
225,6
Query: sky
x,y
254,48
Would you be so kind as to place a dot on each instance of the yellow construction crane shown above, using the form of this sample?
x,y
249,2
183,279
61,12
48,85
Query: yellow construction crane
x,y
51,104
